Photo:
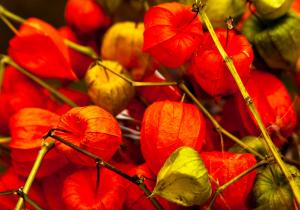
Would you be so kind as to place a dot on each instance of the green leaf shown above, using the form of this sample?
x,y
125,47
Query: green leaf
x,y
183,179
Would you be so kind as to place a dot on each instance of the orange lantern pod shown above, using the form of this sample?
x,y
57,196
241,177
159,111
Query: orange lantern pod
x,y
168,125
172,33
224,166
79,190
27,128
40,49
210,70
85,16
90,128
273,104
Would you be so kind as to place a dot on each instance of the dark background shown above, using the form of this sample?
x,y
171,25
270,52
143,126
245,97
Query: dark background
x,y
52,11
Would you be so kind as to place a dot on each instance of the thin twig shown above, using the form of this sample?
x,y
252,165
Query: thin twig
x,y
133,179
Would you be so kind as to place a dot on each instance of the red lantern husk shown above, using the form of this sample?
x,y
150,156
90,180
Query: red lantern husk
x,y
172,33
209,69
27,127
224,166
168,125
79,190
85,16
40,49
91,128
274,106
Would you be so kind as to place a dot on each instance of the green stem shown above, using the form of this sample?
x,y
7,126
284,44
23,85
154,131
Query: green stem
x,y
217,126
2,69
235,179
88,51
32,202
8,24
270,146
134,83
65,99
43,151
4,140
10,15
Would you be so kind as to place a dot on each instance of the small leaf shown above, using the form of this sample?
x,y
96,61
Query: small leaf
x,y
183,179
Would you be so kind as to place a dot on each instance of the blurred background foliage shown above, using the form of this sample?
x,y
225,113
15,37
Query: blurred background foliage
x,y
51,11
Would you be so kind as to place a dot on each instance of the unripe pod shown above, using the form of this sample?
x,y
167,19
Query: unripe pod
x,y
123,43
107,89
278,43
90,128
271,10
168,125
272,190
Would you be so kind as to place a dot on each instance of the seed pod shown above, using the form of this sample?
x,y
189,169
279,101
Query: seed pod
x,y
79,190
86,16
224,166
91,128
183,179
253,142
27,127
168,125
107,89
278,42
123,43
273,104
172,33
271,188
209,68
271,10
40,49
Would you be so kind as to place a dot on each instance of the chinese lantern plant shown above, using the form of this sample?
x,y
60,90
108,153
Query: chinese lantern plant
x,y
27,127
168,125
209,69
107,87
273,103
80,192
47,50
172,33
123,43
222,167
90,128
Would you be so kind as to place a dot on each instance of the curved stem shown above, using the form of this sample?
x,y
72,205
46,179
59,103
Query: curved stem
x,y
217,126
270,146
65,99
43,151
133,179
8,24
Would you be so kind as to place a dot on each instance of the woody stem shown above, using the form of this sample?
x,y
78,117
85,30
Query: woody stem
x,y
43,151
217,126
8,60
248,100
133,179
235,179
